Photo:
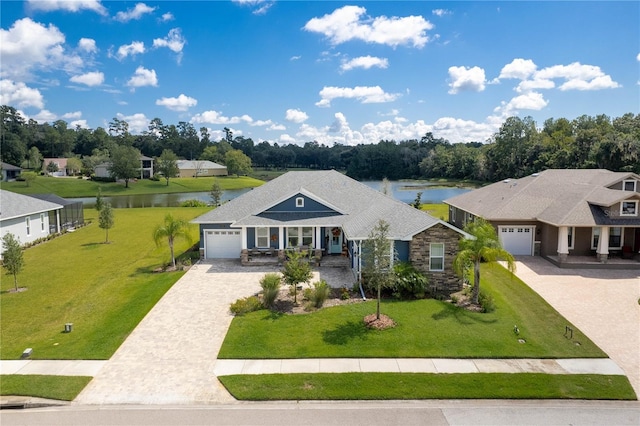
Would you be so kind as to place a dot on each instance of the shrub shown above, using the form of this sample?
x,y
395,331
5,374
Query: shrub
x,y
486,302
246,305
193,203
319,293
156,177
270,284
409,282
344,293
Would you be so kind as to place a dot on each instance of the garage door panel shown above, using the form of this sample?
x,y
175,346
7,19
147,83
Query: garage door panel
x,y
517,240
223,244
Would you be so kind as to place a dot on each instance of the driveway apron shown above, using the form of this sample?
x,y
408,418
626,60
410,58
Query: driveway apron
x,y
169,357
601,303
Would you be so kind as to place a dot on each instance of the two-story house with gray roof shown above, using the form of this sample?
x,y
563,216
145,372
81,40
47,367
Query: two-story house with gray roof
x,y
560,214
329,214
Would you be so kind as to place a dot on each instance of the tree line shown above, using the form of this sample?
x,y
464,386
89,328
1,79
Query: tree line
x,y
517,149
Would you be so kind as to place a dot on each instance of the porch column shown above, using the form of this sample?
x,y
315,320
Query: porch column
x,y
603,245
281,238
243,236
318,245
391,252
58,228
563,243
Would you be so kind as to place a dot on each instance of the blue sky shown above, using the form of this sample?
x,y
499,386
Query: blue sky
x,y
298,71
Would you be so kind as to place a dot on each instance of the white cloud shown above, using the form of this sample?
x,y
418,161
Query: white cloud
x,y
19,95
518,68
365,62
366,95
527,85
79,123
166,17
531,101
143,77
174,41
638,57
286,139
579,77
90,79
132,49
459,130
71,115
275,126
45,116
350,23
441,12
215,117
181,103
136,13
138,123
69,6
28,45
295,58
296,116
466,79
260,7
88,45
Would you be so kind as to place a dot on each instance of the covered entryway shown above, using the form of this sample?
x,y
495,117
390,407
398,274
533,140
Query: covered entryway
x,y
222,244
517,240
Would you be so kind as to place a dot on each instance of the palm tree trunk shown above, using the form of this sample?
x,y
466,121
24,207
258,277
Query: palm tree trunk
x,y
476,282
173,259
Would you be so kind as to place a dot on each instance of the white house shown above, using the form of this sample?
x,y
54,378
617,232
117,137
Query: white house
x,y
27,218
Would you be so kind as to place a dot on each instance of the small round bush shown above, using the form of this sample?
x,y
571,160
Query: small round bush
x,y
246,305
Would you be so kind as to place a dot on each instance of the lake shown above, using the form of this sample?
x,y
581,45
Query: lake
x,y
405,191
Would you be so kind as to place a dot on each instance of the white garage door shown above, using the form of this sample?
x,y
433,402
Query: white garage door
x,y
223,244
517,240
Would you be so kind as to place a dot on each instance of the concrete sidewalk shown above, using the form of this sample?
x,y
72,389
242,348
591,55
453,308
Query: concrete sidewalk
x,y
604,366
52,367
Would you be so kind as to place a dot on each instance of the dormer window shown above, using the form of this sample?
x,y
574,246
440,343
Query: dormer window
x,y
299,202
629,185
629,208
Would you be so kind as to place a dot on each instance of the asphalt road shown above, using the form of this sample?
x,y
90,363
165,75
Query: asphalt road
x,y
368,413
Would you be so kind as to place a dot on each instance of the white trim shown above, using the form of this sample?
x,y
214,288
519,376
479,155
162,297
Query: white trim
x,y
598,230
299,202
42,227
431,245
571,230
27,222
635,184
635,209
257,237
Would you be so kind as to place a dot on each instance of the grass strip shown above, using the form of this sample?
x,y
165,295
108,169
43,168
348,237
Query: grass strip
x,y
72,187
386,386
64,388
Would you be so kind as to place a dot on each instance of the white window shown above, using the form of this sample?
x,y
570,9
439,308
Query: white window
x,y
262,237
27,221
307,236
452,213
42,222
629,208
629,185
299,202
570,232
436,257
292,237
615,237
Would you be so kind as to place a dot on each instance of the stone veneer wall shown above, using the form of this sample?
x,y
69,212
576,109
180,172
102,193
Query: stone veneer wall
x,y
445,282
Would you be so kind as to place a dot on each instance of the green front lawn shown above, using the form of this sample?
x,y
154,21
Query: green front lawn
x,y
439,211
64,388
425,329
103,289
383,386
73,187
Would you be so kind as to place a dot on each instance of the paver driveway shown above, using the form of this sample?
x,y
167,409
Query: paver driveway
x,y
603,304
169,358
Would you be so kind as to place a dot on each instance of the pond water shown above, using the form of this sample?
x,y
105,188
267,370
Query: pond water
x,y
405,191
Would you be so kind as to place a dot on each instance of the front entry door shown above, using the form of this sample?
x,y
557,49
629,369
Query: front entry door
x,y
335,242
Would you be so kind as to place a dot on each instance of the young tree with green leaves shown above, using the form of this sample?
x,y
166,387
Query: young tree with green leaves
x,y
12,258
74,165
485,246
171,229
296,270
377,256
216,192
237,162
167,165
105,219
99,200
52,167
28,177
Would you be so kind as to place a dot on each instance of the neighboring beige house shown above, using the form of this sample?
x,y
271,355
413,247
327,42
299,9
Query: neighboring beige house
x,y
146,168
561,215
200,168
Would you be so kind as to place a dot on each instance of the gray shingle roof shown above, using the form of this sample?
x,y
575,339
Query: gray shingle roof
x,y
7,166
205,164
14,205
362,206
558,197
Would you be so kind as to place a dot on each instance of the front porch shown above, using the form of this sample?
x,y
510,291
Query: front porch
x,y
260,257
592,262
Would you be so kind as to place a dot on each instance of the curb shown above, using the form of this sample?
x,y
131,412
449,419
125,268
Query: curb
x,y
23,402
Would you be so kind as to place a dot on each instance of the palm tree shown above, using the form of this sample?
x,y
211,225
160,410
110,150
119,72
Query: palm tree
x,y
484,247
171,229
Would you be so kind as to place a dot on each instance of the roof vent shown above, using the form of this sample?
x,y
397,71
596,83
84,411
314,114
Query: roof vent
x,y
506,180
535,174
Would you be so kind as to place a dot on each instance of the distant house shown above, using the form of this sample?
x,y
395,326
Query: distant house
x,y
60,162
146,168
332,215
10,172
200,168
28,218
559,214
